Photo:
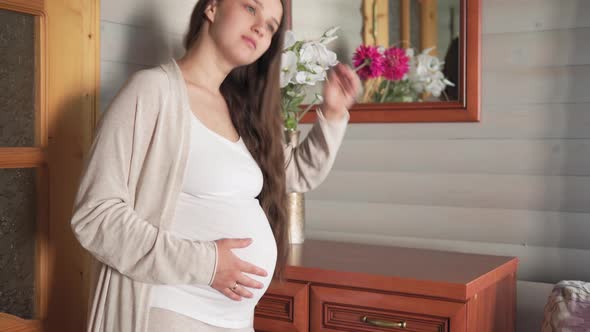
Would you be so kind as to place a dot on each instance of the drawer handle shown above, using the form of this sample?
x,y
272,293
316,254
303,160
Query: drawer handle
x,y
384,323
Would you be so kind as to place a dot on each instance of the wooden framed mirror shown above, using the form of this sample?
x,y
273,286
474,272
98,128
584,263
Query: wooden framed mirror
x,y
453,27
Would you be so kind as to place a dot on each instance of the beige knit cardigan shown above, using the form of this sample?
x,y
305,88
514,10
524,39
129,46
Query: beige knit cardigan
x,y
128,190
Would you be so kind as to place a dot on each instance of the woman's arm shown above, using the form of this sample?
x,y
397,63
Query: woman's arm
x,y
309,163
104,221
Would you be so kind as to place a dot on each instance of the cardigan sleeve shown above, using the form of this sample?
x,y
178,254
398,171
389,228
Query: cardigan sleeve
x,y
308,164
104,220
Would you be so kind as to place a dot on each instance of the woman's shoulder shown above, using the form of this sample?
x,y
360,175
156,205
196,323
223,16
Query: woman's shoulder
x,y
153,79
146,89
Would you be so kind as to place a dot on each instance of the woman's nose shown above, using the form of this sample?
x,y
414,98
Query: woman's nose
x,y
257,29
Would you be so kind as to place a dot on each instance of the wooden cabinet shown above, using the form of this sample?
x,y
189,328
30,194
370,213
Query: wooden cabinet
x,y
338,287
284,307
337,309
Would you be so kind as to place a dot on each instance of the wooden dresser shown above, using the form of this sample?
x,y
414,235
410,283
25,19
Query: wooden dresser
x,y
335,286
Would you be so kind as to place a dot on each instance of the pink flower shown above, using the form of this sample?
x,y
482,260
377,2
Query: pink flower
x,y
396,63
368,61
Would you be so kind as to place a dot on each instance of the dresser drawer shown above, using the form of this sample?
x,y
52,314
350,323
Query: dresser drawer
x,y
284,307
340,309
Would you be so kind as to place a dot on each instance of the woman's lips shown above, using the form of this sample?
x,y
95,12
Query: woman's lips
x,y
250,41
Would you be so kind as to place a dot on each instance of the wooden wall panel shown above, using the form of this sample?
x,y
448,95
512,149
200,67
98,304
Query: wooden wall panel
x,y
152,15
128,44
514,156
566,47
507,122
530,302
529,192
508,16
73,62
526,227
536,85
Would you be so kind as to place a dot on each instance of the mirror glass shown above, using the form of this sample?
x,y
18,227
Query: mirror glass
x,y
407,50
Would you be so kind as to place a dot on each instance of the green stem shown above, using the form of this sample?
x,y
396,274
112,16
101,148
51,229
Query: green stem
x,y
307,109
446,96
364,64
385,91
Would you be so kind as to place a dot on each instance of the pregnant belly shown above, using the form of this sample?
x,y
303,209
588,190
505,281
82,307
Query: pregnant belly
x,y
211,219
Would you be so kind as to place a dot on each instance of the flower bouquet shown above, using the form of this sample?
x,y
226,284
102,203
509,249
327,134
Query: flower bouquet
x,y
398,75
303,64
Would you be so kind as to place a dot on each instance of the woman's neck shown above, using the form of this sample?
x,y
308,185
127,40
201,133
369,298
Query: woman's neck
x,y
201,67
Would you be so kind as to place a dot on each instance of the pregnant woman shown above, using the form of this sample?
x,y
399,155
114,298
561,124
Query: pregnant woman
x,y
182,197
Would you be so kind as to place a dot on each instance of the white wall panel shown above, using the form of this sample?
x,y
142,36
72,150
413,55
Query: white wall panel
x,y
489,156
469,224
566,47
530,192
514,121
507,16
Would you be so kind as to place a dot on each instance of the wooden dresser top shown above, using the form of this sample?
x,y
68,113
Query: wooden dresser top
x,y
417,271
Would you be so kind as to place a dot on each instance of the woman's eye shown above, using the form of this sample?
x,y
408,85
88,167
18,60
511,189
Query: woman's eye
x,y
251,9
271,28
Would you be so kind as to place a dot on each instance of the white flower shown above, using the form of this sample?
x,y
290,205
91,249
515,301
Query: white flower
x,y
330,32
289,39
328,40
435,85
318,73
303,64
329,35
318,53
426,73
310,77
288,67
302,77
316,69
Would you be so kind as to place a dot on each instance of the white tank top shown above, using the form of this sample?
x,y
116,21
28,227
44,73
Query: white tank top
x,y
217,200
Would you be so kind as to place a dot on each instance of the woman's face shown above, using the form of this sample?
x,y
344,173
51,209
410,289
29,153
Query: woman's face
x,y
243,29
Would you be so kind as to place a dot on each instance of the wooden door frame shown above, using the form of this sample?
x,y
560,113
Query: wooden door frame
x,y
34,157
66,106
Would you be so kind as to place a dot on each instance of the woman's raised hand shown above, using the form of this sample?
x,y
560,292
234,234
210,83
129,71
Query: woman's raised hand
x,y
340,91
231,269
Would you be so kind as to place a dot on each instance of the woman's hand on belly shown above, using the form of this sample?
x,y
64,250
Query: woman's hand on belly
x,y
231,269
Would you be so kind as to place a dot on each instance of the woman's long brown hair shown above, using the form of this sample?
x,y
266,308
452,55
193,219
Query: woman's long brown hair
x,y
253,96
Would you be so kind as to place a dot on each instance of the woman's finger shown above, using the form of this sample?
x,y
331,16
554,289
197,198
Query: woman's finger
x,y
351,80
248,267
330,75
241,291
351,76
336,79
246,281
227,292
344,79
344,82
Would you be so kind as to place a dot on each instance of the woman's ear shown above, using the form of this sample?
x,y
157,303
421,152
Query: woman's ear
x,y
211,10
